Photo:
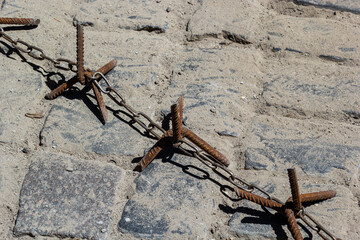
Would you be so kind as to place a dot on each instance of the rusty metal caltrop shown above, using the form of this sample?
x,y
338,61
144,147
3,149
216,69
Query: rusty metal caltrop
x,y
179,137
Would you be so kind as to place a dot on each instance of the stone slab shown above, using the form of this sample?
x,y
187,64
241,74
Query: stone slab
x,y
67,197
78,129
277,144
317,37
163,190
329,92
13,166
237,26
19,91
344,5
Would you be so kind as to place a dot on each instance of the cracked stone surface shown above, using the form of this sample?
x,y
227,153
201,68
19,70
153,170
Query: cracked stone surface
x,y
161,191
270,84
67,197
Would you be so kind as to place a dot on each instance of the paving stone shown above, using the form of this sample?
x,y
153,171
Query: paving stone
x,y
217,93
330,91
344,5
78,129
250,221
12,172
274,146
285,32
19,90
66,197
237,26
162,191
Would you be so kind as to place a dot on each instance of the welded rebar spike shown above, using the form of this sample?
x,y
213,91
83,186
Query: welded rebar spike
x,y
155,150
100,102
20,21
206,147
80,53
295,192
293,226
63,87
259,200
315,196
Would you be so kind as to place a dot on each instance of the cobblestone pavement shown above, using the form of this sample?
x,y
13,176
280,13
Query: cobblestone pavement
x,y
272,84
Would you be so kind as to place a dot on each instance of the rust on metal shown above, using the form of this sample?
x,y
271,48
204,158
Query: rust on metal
x,y
293,226
205,146
155,150
295,192
34,115
20,21
63,87
176,123
101,104
80,53
315,196
257,199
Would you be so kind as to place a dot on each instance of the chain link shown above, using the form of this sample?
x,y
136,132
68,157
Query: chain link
x,y
37,53
152,128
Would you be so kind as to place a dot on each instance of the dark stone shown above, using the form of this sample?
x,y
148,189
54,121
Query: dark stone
x,y
293,50
71,129
150,28
65,197
332,58
238,38
143,222
228,133
344,5
164,189
310,155
274,49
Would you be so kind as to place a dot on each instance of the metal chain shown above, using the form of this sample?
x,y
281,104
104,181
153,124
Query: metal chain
x,y
151,127
38,53
205,159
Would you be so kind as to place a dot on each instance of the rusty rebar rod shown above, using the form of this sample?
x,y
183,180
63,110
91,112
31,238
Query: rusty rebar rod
x,y
295,192
315,196
293,226
80,53
259,200
155,150
176,123
20,21
205,146
100,102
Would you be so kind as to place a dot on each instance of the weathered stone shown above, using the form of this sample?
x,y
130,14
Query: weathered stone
x,y
344,5
328,92
21,89
76,128
163,190
328,33
236,26
273,147
65,197
12,172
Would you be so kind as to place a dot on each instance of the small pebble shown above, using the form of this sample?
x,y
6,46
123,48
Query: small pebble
x,y
103,230
168,9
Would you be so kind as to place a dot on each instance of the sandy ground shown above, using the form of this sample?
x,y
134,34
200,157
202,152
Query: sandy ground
x,y
272,84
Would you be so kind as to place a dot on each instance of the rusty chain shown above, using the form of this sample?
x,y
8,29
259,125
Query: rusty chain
x,y
38,53
152,128
205,159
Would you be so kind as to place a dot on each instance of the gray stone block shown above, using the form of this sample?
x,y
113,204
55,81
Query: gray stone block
x,y
77,128
65,197
344,5
162,191
275,145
